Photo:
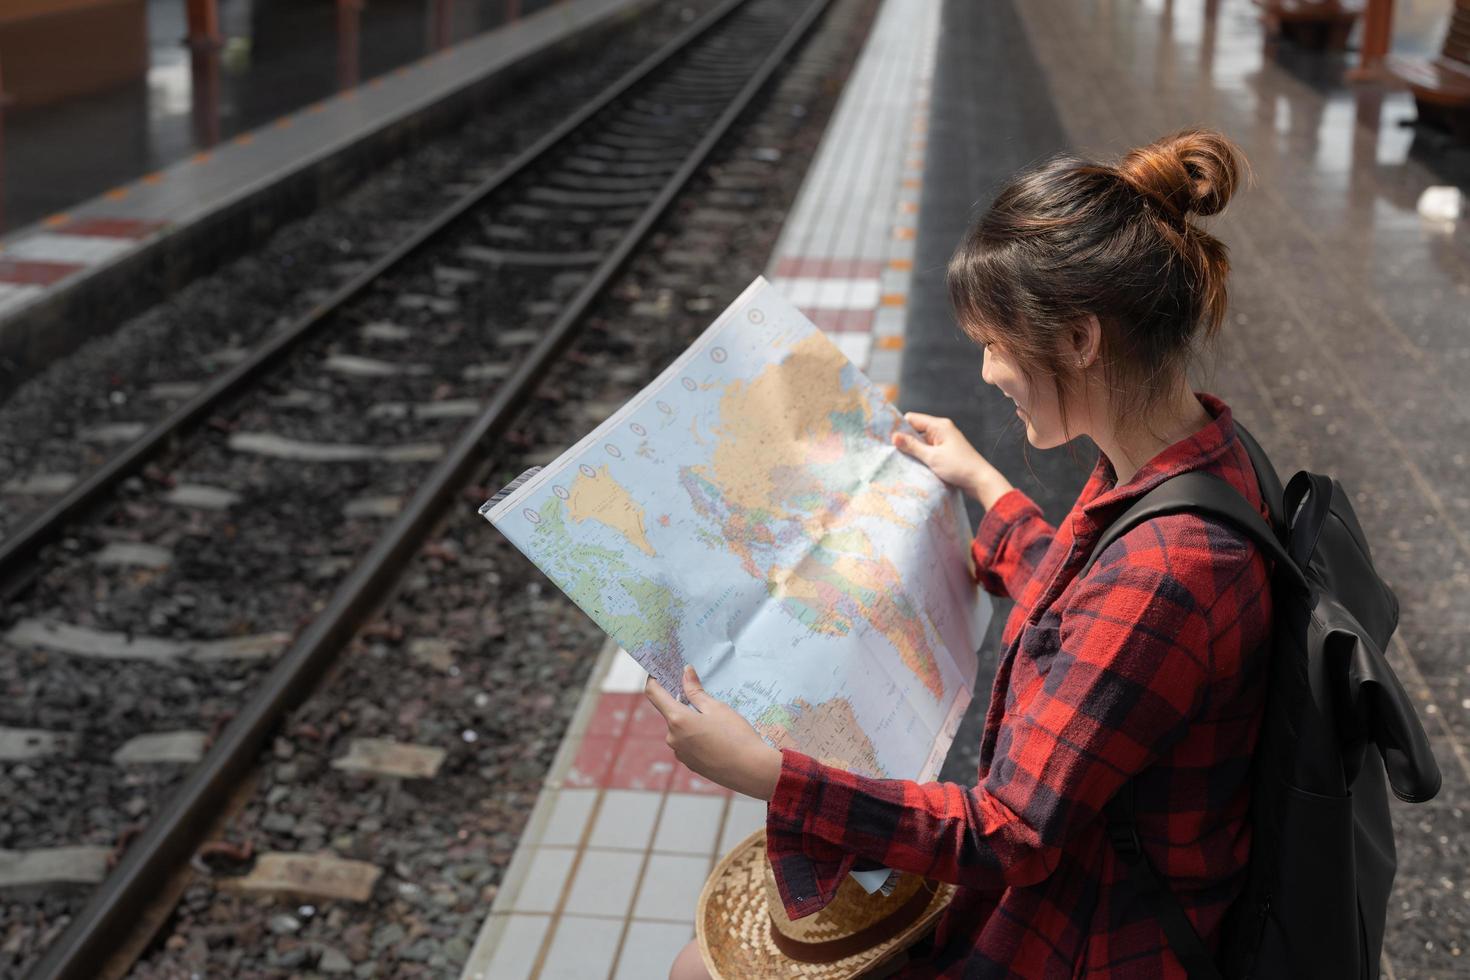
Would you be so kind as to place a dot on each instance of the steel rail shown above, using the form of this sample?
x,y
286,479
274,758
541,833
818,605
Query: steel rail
x,y
21,545
171,838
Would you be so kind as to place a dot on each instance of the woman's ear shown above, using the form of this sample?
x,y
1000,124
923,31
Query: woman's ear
x,y
1085,339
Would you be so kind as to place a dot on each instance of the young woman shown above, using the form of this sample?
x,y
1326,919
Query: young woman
x,y
1089,288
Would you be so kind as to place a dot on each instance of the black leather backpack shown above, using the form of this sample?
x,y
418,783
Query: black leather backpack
x,y
1322,860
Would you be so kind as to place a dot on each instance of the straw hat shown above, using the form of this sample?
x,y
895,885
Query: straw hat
x,y
744,932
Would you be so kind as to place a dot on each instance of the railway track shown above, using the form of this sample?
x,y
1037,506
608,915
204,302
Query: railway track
x,y
375,406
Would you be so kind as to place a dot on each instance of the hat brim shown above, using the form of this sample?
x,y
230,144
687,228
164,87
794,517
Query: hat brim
x,y
732,924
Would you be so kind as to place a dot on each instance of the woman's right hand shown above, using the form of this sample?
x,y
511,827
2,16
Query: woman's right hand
x,y
946,451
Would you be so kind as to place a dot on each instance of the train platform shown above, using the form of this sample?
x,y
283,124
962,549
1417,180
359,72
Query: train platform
x,y
96,260
1348,323
409,817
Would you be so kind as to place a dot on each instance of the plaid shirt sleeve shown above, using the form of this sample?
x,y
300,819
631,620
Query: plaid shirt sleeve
x,y
1009,543
1130,671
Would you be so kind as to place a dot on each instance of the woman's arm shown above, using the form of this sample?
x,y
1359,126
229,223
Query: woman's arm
x,y
1009,543
1131,673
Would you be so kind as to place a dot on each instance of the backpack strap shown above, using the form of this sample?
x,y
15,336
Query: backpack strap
x,y
1155,895
1266,479
1203,493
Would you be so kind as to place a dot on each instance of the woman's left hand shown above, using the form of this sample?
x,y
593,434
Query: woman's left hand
x,y
712,739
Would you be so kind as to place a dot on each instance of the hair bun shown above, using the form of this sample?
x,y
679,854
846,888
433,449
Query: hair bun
x,y
1193,171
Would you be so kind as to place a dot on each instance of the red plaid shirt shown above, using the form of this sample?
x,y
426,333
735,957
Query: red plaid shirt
x,y
1151,666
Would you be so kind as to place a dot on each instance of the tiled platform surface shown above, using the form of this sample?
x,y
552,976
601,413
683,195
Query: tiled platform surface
x,y
610,865
66,249
846,252
604,880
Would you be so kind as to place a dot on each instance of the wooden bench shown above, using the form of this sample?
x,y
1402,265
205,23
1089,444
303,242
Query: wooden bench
x,y
1441,85
1320,24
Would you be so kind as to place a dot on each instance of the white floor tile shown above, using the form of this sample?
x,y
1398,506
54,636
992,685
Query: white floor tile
x,y
568,817
650,948
690,823
863,294
603,883
671,885
832,293
544,880
515,952
854,346
746,816
582,948
625,820
802,291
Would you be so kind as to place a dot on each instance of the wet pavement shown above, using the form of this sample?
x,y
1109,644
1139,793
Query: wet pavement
x,y
1347,348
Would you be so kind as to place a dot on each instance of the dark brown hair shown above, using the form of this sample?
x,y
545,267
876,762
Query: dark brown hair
x,y
1069,237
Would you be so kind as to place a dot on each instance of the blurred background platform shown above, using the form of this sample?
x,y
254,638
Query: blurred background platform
x,y
121,93
271,109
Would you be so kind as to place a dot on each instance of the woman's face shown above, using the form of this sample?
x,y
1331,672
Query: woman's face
x,y
1036,406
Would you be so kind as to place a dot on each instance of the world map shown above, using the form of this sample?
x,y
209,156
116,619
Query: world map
x,y
748,513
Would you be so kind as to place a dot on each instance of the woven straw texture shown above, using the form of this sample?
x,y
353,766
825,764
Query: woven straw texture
x,y
739,903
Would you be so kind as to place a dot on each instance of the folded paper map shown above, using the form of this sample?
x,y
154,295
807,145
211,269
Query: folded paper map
x,y
748,513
